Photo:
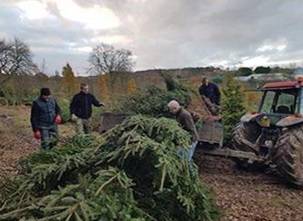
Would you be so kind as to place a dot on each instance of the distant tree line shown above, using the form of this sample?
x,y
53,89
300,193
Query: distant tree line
x,y
246,71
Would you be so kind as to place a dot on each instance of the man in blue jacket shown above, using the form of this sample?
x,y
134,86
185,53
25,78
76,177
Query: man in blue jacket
x,y
81,109
45,115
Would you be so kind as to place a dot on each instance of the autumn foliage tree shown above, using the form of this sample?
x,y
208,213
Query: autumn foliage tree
x,y
103,86
131,86
69,81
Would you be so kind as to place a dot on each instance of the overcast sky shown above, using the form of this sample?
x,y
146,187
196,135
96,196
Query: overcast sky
x,y
160,33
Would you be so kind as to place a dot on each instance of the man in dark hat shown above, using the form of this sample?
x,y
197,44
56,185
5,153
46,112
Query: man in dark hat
x,y
45,115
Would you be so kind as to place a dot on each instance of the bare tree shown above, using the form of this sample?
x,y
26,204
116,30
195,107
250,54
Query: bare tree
x,y
106,59
5,59
16,58
21,56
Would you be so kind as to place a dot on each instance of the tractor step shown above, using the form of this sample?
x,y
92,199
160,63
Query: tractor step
x,y
229,153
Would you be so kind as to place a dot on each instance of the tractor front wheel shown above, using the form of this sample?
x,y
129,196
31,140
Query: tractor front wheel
x,y
288,155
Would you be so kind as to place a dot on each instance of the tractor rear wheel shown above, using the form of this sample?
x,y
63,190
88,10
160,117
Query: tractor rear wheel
x,y
243,131
288,155
249,131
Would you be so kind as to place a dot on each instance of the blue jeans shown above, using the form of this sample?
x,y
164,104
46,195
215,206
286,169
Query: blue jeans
x,y
187,154
49,137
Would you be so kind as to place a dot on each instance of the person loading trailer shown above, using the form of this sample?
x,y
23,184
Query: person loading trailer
x,y
186,121
211,95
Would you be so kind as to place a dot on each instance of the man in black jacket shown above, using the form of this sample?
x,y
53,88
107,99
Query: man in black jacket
x,y
210,90
45,115
81,109
211,96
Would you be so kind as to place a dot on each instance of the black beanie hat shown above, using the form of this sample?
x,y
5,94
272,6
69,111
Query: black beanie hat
x,y
45,92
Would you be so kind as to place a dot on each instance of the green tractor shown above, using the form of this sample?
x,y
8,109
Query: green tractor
x,y
274,134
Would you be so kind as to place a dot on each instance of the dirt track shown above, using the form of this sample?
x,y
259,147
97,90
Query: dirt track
x,y
15,138
251,196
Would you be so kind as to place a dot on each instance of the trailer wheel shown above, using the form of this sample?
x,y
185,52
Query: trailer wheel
x,y
288,155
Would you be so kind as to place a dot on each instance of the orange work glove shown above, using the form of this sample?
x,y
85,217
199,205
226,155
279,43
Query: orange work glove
x,y
37,134
58,119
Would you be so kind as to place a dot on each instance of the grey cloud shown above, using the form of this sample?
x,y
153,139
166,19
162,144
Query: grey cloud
x,y
170,33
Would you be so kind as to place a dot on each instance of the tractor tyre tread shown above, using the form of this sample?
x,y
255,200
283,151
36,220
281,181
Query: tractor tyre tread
x,y
288,155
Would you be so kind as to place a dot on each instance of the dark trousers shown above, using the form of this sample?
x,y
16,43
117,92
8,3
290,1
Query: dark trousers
x,y
49,137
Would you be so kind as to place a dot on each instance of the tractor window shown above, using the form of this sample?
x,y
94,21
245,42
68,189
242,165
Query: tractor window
x,y
286,104
280,102
268,102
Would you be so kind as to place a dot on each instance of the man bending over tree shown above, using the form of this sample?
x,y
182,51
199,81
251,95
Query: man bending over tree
x,y
186,121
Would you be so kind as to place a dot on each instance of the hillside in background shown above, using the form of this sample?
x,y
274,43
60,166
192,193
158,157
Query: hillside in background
x,y
114,84
111,87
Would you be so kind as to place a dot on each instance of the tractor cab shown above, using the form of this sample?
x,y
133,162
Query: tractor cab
x,y
281,104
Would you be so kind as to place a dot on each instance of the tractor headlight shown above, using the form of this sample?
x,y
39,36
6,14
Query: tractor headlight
x,y
264,121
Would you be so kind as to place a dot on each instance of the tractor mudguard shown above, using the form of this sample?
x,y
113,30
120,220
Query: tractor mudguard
x,y
249,117
290,121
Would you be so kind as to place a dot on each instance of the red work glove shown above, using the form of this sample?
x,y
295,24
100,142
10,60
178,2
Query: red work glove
x,y
37,134
58,119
